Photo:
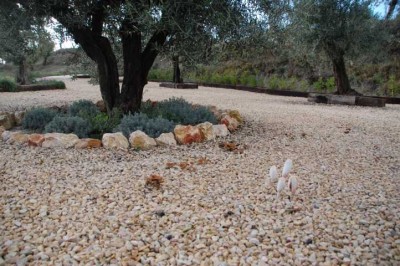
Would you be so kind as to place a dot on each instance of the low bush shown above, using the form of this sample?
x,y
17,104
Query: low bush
x,y
56,84
37,119
84,109
180,111
104,123
393,86
160,74
325,85
7,85
67,124
151,126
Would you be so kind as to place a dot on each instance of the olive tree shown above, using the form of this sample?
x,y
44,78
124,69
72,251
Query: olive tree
x,y
140,28
23,38
339,28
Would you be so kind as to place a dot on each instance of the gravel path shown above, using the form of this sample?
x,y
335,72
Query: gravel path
x,y
92,207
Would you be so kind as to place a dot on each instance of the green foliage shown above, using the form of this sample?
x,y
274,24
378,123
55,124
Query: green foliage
x,y
325,85
67,124
37,119
151,126
393,86
84,109
180,111
160,74
275,82
7,85
103,123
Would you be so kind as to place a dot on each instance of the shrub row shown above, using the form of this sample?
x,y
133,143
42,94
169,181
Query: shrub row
x,y
85,120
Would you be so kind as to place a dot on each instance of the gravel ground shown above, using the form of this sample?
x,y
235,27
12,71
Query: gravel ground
x,y
92,206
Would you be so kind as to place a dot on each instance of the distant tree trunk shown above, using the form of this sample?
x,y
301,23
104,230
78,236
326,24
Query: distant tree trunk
x,y
339,69
45,59
341,78
22,75
177,71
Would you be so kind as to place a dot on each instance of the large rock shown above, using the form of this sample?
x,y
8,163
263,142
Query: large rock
x,y
139,140
36,140
7,120
220,130
88,144
19,116
6,135
52,140
187,134
166,139
115,141
235,114
18,138
2,129
206,130
231,123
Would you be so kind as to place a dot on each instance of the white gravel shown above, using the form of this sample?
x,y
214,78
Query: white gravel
x,y
92,207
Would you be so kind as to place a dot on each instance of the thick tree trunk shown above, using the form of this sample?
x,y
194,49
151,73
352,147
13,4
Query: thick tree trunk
x,y
22,75
134,80
99,49
341,78
336,55
177,72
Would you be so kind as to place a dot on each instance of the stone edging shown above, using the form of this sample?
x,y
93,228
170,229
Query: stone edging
x,y
389,100
182,134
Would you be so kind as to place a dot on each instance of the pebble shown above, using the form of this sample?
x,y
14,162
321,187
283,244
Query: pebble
x,y
91,207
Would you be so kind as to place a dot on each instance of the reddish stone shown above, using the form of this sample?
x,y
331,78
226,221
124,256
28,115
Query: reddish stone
x,y
187,134
231,123
88,144
36,140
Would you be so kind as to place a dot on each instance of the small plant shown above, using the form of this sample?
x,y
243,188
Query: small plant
x,y
38,118
7,85
151,126
84,109
103,123
393,86
326,85
66,124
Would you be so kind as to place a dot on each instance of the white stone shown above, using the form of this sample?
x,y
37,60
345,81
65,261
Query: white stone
x,y
115,141
166,139
53,140
220,130
140,140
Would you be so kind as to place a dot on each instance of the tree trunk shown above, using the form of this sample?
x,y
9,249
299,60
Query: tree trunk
x,y
177,71
134,80
336,55
22,75
99,49
341,78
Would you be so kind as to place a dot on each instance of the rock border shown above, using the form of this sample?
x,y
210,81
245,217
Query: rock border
x,y
346,100
230,121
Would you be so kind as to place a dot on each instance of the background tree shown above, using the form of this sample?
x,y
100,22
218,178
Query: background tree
x,y
141,28
23,38
336,27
